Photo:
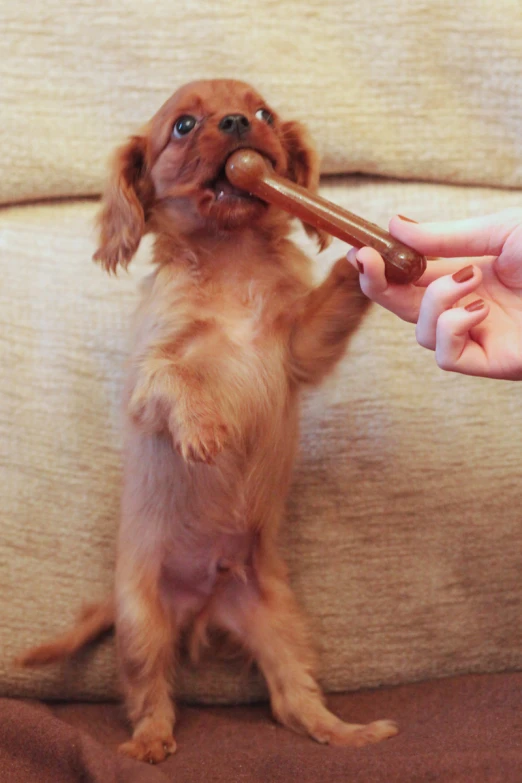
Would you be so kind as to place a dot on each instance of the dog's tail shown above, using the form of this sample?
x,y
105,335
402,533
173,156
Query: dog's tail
x,y
94,620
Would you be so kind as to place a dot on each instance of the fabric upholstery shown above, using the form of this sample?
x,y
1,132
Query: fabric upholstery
x,y
460,730
403,525
429,90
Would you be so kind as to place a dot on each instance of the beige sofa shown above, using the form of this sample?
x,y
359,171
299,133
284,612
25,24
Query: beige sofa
x,y
403,528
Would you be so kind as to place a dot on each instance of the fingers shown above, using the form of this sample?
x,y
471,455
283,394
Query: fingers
x,y
441,326
403,300
456,351
440,296
508,265
370,266
481,236
439,267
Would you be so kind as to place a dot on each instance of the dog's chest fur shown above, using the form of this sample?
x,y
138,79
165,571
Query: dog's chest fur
x,y
227,322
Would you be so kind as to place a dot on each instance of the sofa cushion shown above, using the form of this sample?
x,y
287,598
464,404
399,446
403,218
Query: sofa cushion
x,y
428,91
403,526
458,730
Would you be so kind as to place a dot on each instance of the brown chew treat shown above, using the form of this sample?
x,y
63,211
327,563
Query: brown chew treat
x,y
248,170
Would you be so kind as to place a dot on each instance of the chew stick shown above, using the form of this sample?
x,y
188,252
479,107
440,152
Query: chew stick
x,y
249,170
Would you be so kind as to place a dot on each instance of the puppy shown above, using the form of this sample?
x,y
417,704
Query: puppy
x,y
229,328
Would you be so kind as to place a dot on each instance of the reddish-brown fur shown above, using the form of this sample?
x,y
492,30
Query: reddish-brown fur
x,y
229,328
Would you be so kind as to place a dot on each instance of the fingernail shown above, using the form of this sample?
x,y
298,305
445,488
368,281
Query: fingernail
x,y
463,274
472,307
360,267
407,220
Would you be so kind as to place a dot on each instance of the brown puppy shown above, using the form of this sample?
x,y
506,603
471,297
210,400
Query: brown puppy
x,y
228,330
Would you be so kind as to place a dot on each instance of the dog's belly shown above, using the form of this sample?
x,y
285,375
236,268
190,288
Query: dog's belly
x,y
191,576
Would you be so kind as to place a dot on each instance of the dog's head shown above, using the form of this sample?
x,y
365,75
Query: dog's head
x,y
171,177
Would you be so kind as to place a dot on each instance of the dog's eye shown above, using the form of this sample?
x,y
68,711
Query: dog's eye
x,y
265,116
183,125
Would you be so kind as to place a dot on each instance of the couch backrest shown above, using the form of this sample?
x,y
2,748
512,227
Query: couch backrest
x,y
429,90
402,530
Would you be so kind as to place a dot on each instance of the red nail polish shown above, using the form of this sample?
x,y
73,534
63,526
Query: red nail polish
x,y
360,266
463,274
472,307
406,219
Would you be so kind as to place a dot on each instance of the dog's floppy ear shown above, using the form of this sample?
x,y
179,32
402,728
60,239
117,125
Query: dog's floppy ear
x,y
303,168
121,220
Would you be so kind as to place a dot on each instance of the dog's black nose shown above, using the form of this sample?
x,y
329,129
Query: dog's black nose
x,y
236,124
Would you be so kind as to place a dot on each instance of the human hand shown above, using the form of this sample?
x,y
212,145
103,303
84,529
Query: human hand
x,y
470,315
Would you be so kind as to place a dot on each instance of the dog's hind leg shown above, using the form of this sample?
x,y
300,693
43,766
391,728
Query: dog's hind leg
x,y
146,637
270,626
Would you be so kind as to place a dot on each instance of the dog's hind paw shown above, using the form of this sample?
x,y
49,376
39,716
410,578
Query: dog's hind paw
x,y
356,736
150,749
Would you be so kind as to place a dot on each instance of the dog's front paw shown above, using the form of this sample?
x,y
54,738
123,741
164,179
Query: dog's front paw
x,y
343,272
201,442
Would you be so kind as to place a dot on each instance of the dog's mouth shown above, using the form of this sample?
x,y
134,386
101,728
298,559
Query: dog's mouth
x,y
223,190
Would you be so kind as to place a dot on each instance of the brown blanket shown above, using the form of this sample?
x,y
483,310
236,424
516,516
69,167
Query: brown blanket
x,y
462,730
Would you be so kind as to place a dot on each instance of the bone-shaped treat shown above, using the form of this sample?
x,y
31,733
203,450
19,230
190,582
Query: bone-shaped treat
x,y
250,171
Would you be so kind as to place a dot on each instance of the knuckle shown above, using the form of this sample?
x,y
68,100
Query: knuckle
x,y
437,293
422,338
444,362
447,323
